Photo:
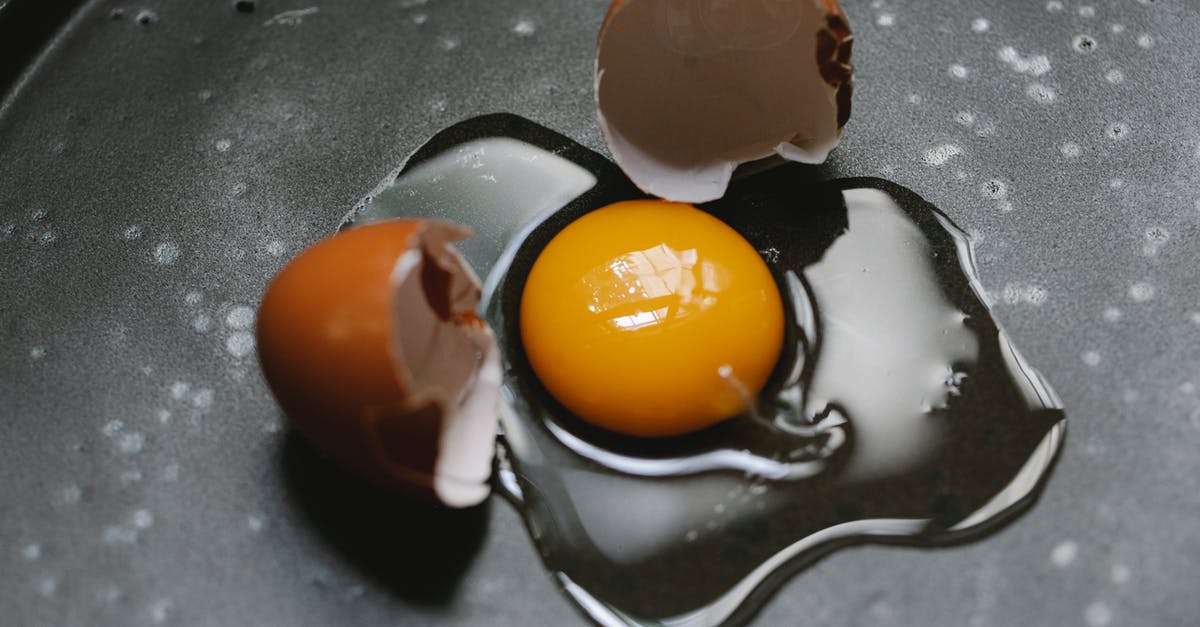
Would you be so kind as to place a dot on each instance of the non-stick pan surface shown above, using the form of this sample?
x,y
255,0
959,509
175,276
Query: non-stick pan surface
x,y
160,160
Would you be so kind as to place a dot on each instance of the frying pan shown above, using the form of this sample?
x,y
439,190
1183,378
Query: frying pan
x,y
156,172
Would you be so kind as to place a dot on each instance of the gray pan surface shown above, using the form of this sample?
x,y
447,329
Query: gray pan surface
x,y
159,161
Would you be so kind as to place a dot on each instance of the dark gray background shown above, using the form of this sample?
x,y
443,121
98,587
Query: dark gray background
x,y
154,176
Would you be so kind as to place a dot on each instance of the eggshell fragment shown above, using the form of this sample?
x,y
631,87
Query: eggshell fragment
x,y
370,343
688,89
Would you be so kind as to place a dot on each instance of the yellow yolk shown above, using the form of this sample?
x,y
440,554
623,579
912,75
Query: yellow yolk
x,y
651,318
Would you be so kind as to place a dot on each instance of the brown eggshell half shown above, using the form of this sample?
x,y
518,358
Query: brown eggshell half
x,y
370,342
688,89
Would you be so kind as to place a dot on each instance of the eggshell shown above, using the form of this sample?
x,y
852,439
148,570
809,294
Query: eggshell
x,y
688,89
370,343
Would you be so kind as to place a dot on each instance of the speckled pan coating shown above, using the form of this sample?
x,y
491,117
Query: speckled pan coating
x,y
153,176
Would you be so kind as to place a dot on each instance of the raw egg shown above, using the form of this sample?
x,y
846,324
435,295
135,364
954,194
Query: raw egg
x,y
651,318
898,410
370,343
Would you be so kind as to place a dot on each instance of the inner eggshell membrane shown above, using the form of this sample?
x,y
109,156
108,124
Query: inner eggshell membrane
x,y
688,89
446,359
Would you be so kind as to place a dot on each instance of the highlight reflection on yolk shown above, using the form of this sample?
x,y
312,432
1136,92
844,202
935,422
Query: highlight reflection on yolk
x,y
651,318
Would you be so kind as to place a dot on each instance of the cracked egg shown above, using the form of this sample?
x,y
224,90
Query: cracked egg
x,y
370,342
686,90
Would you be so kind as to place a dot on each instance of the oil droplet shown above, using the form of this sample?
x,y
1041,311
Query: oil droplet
x,y
240,317
1054,6
70,494
109,594
291,18
1070,150
160,611
203,398
143,519
525,27
980,25
179,389
885,20
1032,65
119,535
958,71
995,189
47,586
1041,93
132,232
239,344
1064,553
1097,614
166,253
32,552
1114,76
939,155
1087,11
1145,41
1117,130
112,428
131,443
202,323
1141,292
130,477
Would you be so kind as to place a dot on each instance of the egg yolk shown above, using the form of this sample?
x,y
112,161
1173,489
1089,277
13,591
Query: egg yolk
x,y
651,318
